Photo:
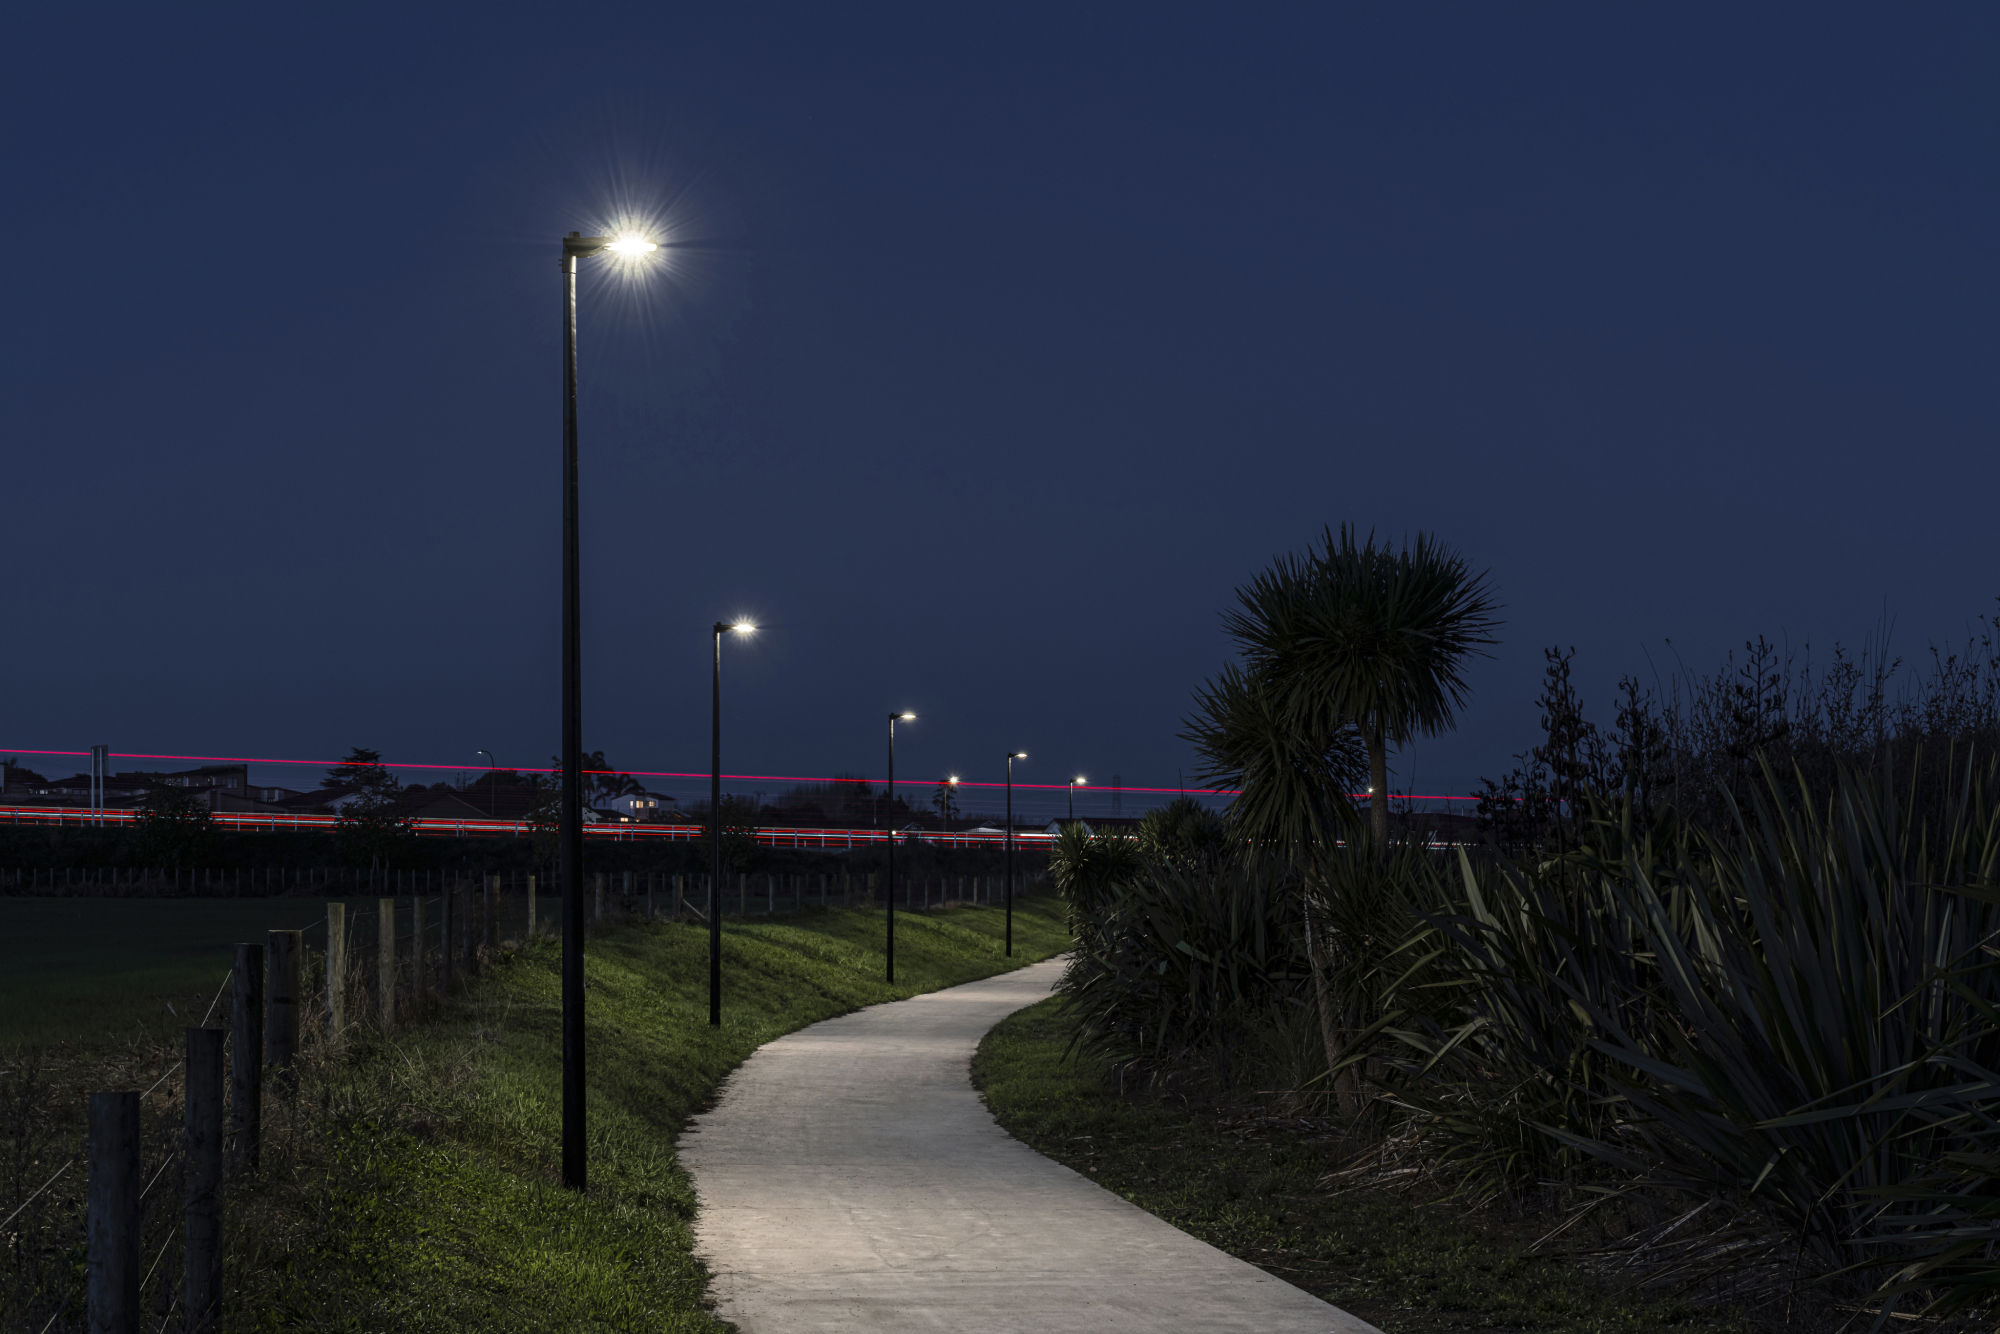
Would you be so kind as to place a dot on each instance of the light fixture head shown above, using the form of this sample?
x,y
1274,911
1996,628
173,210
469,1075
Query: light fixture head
x,y
1080,780
953,780
906,717
744,627
1018,755
631,246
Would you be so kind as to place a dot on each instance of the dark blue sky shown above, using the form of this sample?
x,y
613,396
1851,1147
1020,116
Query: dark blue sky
x,y
1000,346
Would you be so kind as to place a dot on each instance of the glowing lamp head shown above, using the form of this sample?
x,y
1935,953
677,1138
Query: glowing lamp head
x,y
1080,781
744,628
906,717
1018,755
631,246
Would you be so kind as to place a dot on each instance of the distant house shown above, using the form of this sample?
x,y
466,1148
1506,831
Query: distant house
x,y
638,807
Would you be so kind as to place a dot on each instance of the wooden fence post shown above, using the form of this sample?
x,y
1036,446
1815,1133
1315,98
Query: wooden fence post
x,y
246,1066
385,960
281,1003
597,900
336,970
445,896
531,907
113,1214
202,1213
680,896
418,979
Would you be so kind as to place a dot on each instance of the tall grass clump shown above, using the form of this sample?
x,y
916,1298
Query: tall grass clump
x,y
1779,1025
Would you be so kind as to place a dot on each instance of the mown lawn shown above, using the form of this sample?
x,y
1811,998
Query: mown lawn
x,y
413,1185
1257,1191
127,968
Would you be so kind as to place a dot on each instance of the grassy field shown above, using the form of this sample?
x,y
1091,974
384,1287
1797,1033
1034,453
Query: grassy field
x,y
413,1185
125,968
1257,1190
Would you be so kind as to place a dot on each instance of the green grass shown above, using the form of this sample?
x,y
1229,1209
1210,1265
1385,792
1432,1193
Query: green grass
x,y
414,1184
1257,1192
86,967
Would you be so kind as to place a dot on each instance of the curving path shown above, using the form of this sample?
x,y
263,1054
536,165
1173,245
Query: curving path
x,y
850,1179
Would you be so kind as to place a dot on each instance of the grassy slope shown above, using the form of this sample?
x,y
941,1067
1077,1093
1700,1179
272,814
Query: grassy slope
x,y
438,1207
1401,1266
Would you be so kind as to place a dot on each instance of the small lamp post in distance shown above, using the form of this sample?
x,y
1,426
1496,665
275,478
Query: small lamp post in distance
x,y
903,717
741,627
1011,757
1074,784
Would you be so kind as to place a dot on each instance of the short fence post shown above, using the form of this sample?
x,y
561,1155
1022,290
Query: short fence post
x,y
246,1067
202,1143
417,976
680,895
113,1214
445,895
531,906
281,1003
742,893
597,900
770,893
649,895
489,936
336,970
385,960
475,925
871,888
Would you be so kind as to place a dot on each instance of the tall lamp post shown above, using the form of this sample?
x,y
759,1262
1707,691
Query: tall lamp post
x,y
1074,784
944,816
574,248
1011,757
894,718
715,829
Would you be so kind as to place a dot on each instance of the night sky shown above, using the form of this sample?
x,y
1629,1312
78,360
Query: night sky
x,y
994,348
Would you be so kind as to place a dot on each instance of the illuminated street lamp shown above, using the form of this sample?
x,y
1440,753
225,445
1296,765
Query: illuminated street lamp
x,y
944,815
715,828
1074,784
894,718
1015,755
574,248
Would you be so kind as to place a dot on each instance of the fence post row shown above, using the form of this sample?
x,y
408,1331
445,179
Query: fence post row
x,y
202,1143
246,1088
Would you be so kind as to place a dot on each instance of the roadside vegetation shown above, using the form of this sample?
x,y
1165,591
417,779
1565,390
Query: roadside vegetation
x,y
1252,1178
412,1180
1711,1008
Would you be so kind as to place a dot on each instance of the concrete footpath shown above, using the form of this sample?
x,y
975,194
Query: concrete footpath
x,y
850,1179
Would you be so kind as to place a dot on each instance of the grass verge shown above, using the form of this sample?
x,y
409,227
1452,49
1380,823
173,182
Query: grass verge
x,y
412,1184
1252,1187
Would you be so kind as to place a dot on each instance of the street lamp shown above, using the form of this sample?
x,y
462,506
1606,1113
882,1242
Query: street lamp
x,y
894,718
574,248
1074,784
715,829
492,781
1015,755
944,815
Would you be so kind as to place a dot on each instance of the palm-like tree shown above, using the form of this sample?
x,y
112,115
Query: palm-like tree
x,y
1358,633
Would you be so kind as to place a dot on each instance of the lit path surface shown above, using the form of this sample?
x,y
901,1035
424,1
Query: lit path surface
x,y
850,1179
